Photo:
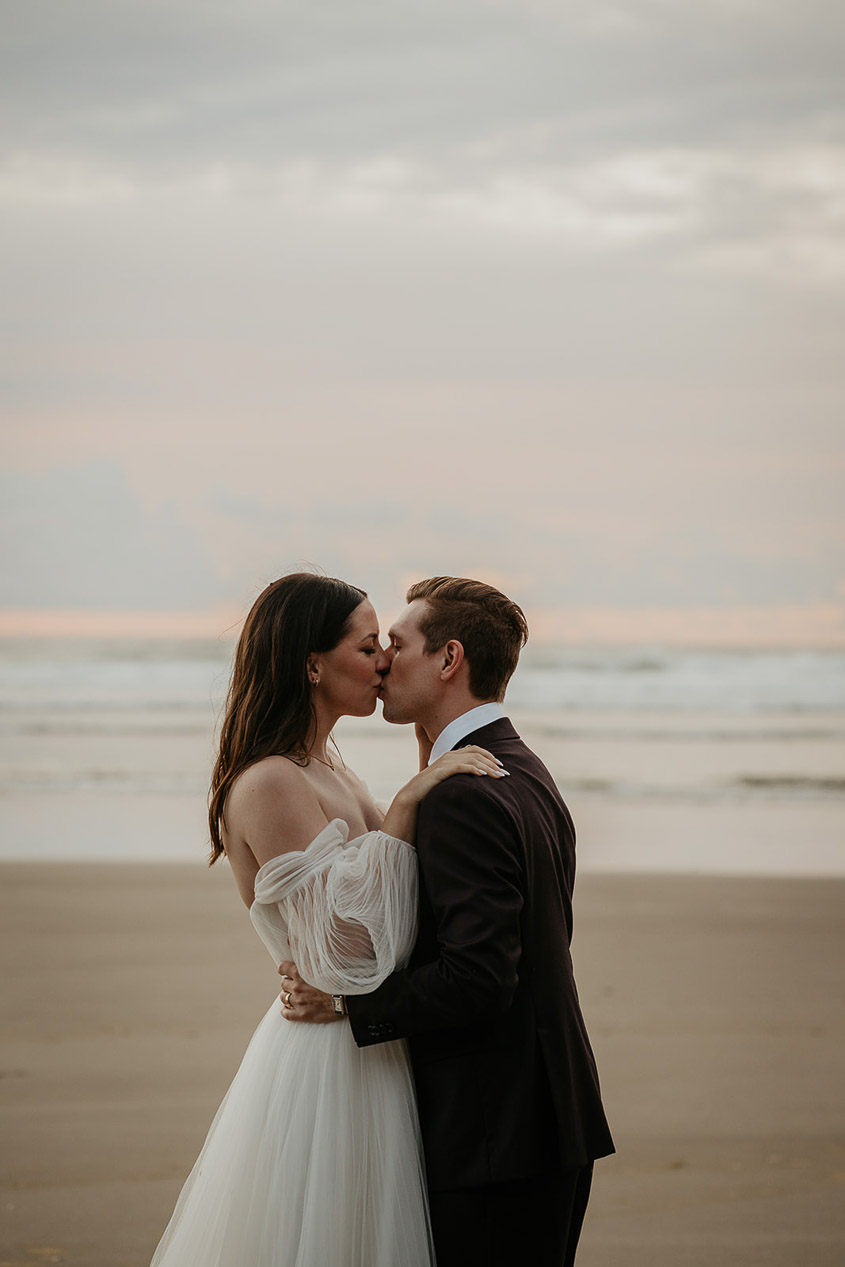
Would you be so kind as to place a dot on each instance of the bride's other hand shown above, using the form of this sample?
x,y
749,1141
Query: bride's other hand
x,y
400,819
424,744
301,1001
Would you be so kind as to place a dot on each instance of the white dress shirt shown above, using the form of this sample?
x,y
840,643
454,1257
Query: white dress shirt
x,y
463,726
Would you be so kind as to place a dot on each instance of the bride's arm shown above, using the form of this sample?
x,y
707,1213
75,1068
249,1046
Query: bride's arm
x,y
401,818
404,813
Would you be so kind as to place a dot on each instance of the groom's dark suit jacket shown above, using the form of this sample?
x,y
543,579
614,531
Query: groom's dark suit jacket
x,y
506,1080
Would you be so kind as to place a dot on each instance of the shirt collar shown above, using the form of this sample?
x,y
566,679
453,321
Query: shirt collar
x,y
463,726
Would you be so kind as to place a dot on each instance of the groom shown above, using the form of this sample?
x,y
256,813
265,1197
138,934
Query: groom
x,y
508,1094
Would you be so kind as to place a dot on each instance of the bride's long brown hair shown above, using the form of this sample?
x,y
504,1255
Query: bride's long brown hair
x,y
268,708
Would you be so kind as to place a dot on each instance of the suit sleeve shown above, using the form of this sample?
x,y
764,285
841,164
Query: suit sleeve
x,y
471,866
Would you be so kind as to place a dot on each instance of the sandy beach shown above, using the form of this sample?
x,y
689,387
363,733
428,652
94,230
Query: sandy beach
x,y
714,1006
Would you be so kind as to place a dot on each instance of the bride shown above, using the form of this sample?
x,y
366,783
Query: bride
x,y
314,1156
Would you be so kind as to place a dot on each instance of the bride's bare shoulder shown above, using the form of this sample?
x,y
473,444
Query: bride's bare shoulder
x,y
273,809
270,777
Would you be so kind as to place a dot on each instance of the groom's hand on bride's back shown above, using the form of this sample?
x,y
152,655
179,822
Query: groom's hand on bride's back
x,y
301,1002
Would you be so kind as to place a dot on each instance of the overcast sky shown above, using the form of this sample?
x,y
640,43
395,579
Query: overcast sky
x,y
548,292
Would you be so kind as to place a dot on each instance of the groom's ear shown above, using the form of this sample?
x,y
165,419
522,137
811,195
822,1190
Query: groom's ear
x,y
452,659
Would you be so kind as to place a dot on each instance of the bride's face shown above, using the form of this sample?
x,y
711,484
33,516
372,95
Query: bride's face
x,y
350,675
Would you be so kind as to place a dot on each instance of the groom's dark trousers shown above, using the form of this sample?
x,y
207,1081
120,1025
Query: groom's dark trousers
x,y
508,1094
527,1223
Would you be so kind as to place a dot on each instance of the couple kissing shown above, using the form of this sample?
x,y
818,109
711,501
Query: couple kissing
x,y
427,1091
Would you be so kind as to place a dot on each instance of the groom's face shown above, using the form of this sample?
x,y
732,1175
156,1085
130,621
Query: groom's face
x,y
412,682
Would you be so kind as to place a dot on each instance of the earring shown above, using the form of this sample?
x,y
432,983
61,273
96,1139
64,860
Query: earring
x,y
313,679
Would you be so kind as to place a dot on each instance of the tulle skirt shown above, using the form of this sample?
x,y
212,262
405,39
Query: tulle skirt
x,y
313,1160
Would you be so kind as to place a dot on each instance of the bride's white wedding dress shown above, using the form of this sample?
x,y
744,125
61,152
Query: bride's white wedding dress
x,y
314,1156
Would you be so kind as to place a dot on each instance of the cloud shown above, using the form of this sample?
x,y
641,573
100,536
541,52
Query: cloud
x,y
161,85
77,537
711,134
776,213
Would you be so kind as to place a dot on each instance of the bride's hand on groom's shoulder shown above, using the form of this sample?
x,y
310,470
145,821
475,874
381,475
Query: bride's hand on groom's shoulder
x,y
469,760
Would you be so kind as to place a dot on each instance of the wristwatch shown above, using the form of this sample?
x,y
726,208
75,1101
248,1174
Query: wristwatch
x,y
339,1004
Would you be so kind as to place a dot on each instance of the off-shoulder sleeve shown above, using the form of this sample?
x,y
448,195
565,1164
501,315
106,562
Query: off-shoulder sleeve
x,y
345,913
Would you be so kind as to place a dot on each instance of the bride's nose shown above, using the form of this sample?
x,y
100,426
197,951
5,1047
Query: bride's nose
x,y
382,661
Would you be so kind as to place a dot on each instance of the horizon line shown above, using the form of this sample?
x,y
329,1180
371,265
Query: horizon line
x,y
812,626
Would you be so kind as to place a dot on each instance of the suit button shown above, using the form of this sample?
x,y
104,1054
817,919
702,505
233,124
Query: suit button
x,y
373,1031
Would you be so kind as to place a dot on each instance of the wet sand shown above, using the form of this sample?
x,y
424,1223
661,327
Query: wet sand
x,y
715,1008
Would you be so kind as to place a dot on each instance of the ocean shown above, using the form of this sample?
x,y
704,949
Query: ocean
x,y
670,759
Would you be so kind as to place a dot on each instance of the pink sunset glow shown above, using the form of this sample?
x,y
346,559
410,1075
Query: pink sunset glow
x,y
817,626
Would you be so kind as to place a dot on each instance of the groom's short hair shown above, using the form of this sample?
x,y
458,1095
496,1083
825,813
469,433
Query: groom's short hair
x,y
491,629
